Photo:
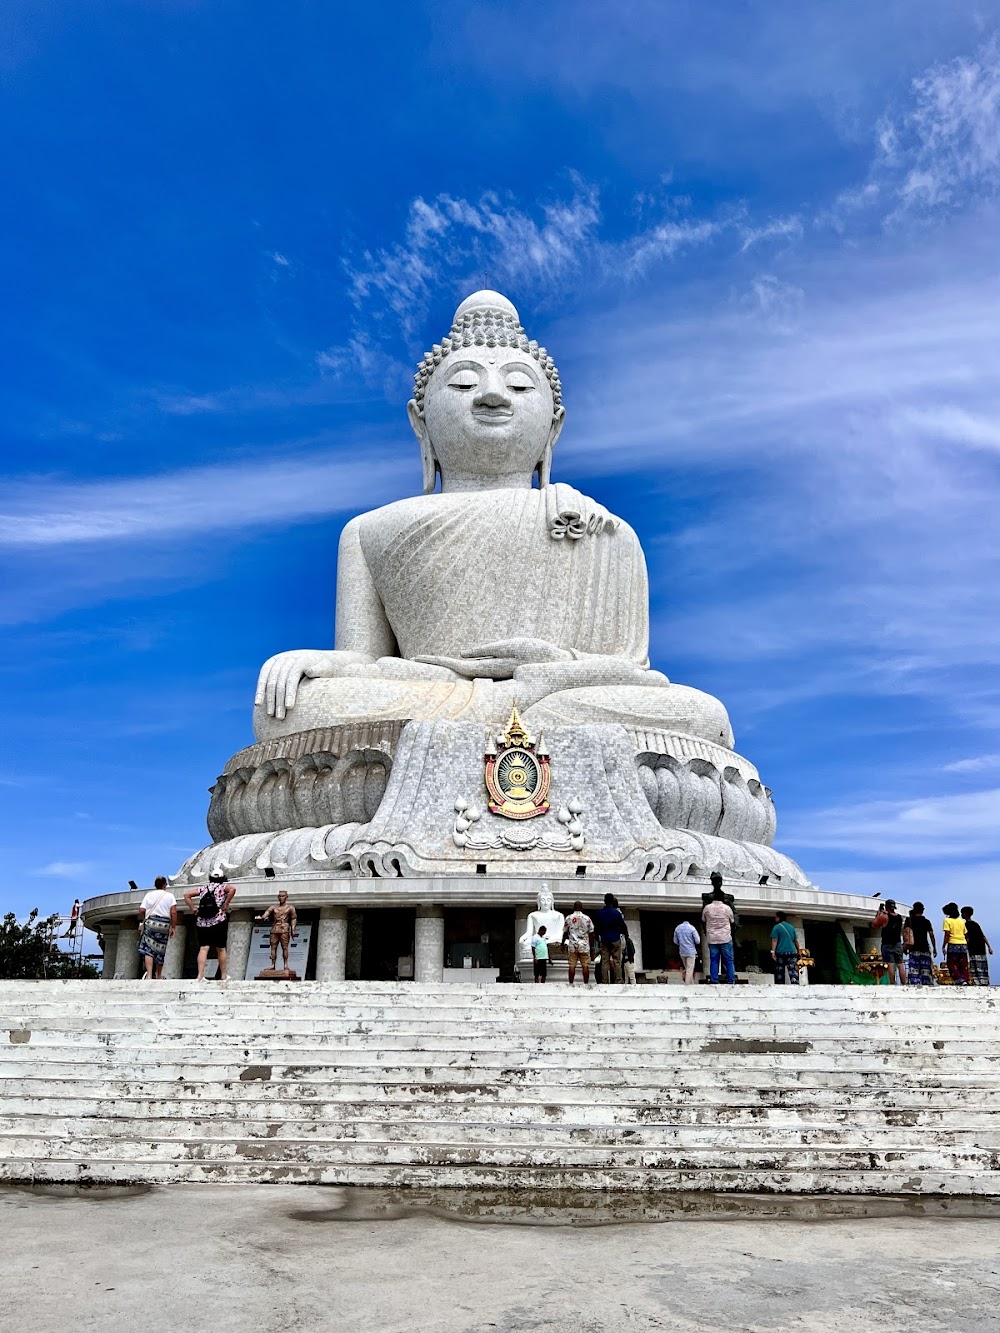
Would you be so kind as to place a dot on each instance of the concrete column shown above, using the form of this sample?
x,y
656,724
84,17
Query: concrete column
x,y
110,933
800,936
127,952
173,963
331,944
428,944
631,916
238,944
848,928
355,939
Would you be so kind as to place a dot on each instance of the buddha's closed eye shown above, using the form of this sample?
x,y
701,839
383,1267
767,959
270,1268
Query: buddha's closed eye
x,y
465,379
519,383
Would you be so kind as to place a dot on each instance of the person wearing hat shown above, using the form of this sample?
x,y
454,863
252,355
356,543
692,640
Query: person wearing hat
x,y
891,924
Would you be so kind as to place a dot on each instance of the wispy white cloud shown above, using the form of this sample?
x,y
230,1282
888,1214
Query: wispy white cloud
x,y
961,826
65,869
235,496
501,243
778,229
974,764
637,256
491,238
944,422
946,147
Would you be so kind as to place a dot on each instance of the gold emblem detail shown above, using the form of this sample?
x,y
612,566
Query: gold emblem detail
x,y
517,772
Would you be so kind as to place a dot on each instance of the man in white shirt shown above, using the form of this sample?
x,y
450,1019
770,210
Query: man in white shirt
x,y
687,940
718,918
157,922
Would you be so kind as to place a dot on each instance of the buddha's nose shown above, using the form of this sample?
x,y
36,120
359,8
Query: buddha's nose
x,y
492,397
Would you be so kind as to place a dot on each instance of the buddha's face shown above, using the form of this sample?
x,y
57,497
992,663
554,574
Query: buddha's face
x,y
487,414
545,901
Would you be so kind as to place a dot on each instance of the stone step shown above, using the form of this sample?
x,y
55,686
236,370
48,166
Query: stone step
x,y
737,1154
449,1176
897,1098
540,1052
666,1053
219,1009
715,1037
828,1027
127,997
622,1088
49,1133
281,1107
726,1081
433,990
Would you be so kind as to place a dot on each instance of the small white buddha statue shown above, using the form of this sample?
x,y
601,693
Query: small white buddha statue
x,y
544,915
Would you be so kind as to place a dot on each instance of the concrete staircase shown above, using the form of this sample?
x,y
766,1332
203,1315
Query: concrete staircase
x,y
761,1089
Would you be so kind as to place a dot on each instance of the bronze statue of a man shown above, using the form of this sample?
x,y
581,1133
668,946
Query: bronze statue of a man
x,y
284,926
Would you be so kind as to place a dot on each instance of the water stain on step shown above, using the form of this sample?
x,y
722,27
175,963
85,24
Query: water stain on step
x,y
587,1208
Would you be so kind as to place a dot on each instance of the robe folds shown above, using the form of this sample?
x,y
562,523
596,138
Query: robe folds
x,y
464,569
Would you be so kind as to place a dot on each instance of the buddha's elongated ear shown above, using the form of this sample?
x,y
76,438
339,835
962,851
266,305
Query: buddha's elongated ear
x,y
431,467
544,468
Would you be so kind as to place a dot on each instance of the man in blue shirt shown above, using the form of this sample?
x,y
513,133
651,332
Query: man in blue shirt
x,y
784,950
687,940
611,930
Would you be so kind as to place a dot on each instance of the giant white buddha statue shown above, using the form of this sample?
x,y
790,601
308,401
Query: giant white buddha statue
x,y
452,604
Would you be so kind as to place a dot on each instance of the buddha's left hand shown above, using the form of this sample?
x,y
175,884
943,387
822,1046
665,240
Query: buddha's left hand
x,y
499,660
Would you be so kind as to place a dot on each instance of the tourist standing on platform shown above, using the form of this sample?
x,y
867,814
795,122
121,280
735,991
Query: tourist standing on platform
x,y
920,946
578,937
628,962
74,919
889,921
784,950
211,905
611,931
687,940
540,952
157,923
718,918
977,944
956,948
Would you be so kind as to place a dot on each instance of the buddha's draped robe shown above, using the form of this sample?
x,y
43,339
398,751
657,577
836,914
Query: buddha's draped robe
x,y
460,570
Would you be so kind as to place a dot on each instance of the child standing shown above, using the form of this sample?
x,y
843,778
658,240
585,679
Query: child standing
x,y
540,949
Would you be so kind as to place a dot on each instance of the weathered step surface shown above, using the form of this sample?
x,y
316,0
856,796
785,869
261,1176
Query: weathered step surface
x,y
833,1089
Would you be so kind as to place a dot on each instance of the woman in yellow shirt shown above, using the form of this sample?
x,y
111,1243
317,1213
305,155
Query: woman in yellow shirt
x,y
956,950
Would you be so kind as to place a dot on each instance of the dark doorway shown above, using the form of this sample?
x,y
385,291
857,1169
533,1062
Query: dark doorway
x,y
386,937
486,934
821,941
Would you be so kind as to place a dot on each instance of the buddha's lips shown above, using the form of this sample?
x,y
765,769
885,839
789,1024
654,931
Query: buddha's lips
x,y
492,414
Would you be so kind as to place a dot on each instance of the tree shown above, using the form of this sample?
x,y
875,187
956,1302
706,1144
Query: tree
x,y
30,951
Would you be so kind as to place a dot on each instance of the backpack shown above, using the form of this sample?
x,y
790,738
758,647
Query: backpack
x,y
208,904
907,934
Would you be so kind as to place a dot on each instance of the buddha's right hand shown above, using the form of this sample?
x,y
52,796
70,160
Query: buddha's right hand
x,y
278,682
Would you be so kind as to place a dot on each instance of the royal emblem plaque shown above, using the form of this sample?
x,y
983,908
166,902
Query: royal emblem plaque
x,y
517,772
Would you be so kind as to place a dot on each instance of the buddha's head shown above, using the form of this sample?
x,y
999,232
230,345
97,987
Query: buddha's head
x,y
487,405
546,903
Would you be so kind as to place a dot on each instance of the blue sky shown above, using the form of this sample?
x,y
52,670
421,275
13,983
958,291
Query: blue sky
x,y
761,241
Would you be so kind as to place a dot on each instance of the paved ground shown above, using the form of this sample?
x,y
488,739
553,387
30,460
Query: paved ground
x,y
188,1257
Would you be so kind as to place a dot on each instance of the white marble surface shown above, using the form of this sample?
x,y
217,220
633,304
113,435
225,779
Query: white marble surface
x,y
452,604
